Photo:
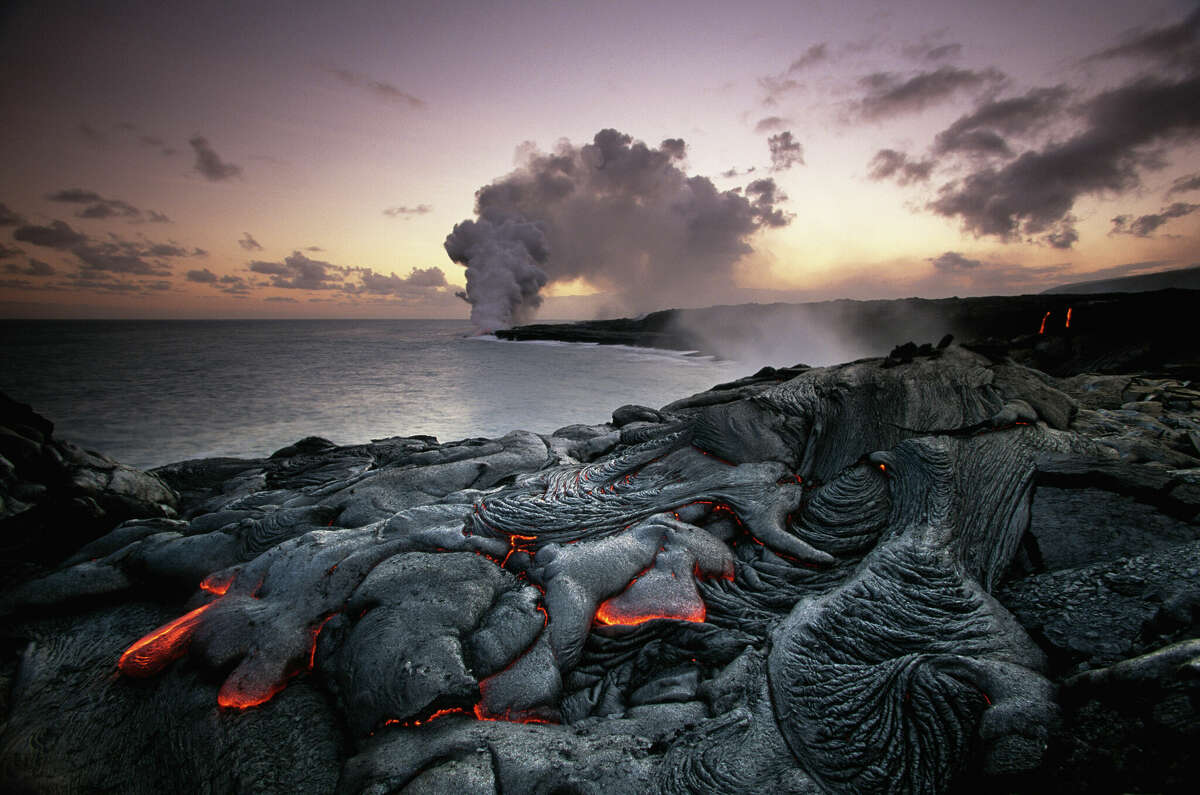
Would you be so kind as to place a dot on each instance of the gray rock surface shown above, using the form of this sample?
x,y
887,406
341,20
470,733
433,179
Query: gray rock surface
x,y
931,572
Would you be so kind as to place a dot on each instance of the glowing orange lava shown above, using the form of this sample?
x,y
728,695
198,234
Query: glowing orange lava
x,y
231,697
482,714
218,582
610,616
1068,317
160,648
1042,328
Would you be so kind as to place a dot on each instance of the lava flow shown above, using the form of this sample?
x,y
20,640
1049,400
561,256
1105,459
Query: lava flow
x,y
160,648
1042,328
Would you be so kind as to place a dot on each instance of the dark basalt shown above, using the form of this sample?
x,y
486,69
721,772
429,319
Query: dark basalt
x,y
938,571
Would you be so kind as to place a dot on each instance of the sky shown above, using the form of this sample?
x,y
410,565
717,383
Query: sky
x,y
565,160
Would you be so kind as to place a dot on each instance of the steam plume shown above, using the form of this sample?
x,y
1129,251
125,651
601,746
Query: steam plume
x,y
615,212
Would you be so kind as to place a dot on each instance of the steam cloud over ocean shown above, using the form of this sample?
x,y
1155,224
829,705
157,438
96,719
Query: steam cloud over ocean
x,y
615,212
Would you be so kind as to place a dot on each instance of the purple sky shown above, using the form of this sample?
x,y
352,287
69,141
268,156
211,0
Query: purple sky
x,y
165,159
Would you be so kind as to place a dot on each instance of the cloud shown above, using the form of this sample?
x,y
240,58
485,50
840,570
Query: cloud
x,y
209,164
926,51
770,124
120,256
954,268
34,267
785,151
313,248
1144,225
298,272
378,88
1181,185
407,212
92,134
1173,44
8,217
282,299
57,235
418,280
615,212
9,253
775,87
1035,192
98,207
889,163
890,95
979,132
202,276
733,172
812,56
248,242
953,262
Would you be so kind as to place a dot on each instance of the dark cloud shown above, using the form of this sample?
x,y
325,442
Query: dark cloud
x,y
733,172
1144,225
888,94
770,124
1173,44
419,280
202,276
57,235
248,242
7,252
209,164
615,212
954,268
298,272
979,132
157,217
764,194
379,88
34,267
313,248
92,134
786,151
675,147
925,51
99,207
812,56
403,211
282,299
75,196
1034,193
8,217
1063,235
120,256
1181,185
157,285
233,285
890,163
953,262
775,87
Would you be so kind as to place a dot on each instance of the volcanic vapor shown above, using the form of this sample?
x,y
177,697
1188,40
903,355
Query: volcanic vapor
x,y
620,215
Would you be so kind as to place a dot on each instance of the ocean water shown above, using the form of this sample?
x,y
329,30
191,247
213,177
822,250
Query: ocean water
x,y
150,393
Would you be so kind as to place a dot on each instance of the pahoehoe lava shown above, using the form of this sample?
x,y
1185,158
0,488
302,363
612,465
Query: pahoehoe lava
x,y
938,571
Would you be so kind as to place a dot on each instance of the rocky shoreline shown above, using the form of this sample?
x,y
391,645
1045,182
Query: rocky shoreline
x,y
1106,332
939,570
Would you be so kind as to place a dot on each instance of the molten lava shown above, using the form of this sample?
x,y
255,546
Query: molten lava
x,y
1042,328
218,582
160,648
231,697
610,616
1068,317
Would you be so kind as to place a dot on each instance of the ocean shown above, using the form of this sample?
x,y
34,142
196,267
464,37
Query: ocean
x,y
152,392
